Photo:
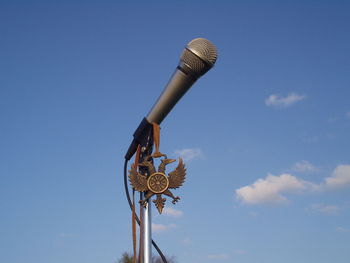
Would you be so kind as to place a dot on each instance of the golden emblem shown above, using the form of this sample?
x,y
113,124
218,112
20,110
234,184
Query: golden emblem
x,y
157,182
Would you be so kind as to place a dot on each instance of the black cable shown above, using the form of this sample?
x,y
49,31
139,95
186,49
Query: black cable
x,y
130,204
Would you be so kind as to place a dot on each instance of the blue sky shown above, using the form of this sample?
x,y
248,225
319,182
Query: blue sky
x,y
265,133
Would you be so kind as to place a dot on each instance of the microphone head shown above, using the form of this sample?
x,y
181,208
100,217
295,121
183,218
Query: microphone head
x,y
198,57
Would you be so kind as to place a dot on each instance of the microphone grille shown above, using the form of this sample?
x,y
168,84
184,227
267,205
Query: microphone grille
x,y
200,55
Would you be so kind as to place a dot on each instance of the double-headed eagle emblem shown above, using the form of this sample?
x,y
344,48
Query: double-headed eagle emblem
x,y
157,182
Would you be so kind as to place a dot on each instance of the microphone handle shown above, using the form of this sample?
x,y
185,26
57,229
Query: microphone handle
x,y
177,86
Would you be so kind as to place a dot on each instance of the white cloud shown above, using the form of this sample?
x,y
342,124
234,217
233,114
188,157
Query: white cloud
x,y
333,119
169,211
187,241
304,167
273,188
270,189
66,235
189,154
311,139
218,256
325,209
240,252
253,214
342,229
339,178
283,102
160,228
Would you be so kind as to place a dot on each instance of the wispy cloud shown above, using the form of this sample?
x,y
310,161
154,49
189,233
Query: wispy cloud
x,y
339,178
311,139
240,252
339,118
189,153
278,101
304,167
273,189
160,228
253,214
342,229
325,209
187,241
66,235
218,256
333,119
169,211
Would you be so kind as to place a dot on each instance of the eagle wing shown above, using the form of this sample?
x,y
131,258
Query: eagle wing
x,y
137,180
178,176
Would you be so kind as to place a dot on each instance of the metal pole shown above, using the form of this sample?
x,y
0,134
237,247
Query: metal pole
x,y
146,150
147,234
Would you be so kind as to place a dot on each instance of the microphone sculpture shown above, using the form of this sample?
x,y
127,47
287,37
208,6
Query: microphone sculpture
x,y
197,58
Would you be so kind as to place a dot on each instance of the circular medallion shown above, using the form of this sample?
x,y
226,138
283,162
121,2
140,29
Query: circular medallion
x,y
158,183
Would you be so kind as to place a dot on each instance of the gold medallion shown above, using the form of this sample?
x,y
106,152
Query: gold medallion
x,y
158,182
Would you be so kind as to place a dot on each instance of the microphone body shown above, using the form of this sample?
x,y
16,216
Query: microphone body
x,y
177,86
197,58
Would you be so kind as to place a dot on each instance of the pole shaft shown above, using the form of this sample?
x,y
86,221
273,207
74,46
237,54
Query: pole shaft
x,y
147,234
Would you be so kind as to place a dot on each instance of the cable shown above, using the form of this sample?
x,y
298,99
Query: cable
x,y
137,219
